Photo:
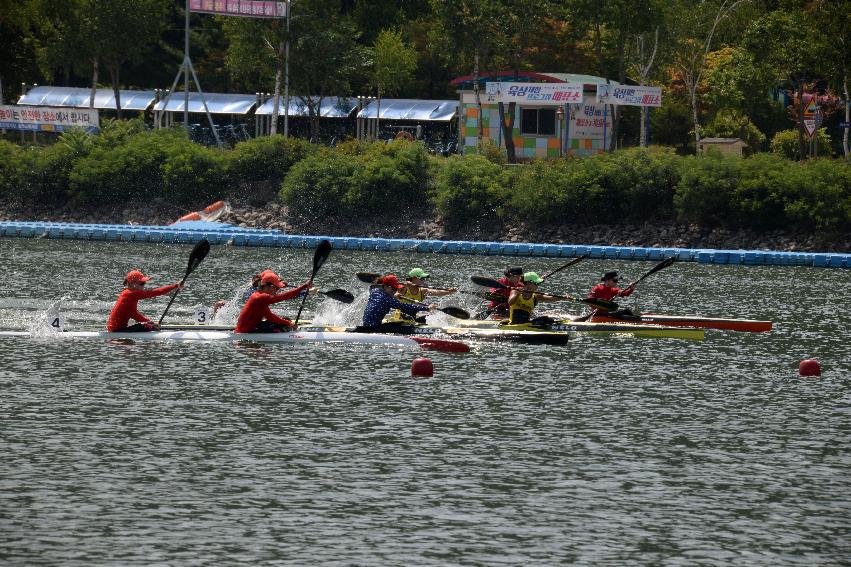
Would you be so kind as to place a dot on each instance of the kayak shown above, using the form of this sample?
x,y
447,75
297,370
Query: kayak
x,y
595,329
745,325
316,336
524,336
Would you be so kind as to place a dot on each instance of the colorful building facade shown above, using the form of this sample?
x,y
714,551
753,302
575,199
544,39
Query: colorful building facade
x,y
540,130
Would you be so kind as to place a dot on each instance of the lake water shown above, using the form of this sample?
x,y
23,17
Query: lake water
x,y
607,451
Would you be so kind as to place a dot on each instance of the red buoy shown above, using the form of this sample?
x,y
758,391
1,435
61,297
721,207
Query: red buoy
x,y
422,367
809,367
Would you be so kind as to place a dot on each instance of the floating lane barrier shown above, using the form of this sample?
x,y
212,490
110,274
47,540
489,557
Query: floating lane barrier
x,y
189,232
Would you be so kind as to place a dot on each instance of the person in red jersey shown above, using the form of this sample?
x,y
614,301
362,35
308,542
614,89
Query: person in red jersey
x,y
256,317
498,306
608,290
126,307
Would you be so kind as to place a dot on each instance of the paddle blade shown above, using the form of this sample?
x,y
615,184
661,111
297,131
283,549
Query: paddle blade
x,y
339,295
323,250
487,282
661,265
456,312
367,277
199,252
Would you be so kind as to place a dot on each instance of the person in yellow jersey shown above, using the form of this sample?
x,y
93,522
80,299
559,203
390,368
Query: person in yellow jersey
x,y
415,291
522,302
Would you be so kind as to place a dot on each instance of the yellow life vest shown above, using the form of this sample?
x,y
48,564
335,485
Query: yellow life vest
x,y
408,296
521,310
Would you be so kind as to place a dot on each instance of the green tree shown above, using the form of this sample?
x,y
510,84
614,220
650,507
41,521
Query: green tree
x,y
393,65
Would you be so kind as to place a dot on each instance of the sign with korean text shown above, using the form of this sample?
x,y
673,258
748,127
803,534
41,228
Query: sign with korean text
x,y
590,122
244,8
626,95
48,119
534,93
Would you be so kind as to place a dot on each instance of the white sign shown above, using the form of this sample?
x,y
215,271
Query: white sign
x,y
244,8
625,95
48,119
534,93
591,122
810,125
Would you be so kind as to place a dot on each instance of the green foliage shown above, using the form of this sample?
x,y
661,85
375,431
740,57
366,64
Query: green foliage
x,y
368,183
266,159
704,193
628,186
493,153
734,124
161,163
10,170
393,62
785,143
469,190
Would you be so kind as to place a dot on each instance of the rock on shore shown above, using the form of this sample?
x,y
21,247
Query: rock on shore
x,y
275,216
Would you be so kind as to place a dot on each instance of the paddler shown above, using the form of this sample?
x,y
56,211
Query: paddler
x,y
498,307
382,298
126,307
415,290
608,289
256,317
521,302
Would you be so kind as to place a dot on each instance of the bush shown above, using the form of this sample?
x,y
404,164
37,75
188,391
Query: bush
x,y
10,170
734,124
705,189
160,163
373,180
266,159
628,186
316,187
44,175
469,190
785,143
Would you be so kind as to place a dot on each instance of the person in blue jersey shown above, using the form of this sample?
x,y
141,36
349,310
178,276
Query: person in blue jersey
x,y
381,300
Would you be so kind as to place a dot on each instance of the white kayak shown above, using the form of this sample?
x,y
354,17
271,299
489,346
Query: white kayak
x,y
295,337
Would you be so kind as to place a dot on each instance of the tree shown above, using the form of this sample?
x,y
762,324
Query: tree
x,y
393,64
833,18
694,31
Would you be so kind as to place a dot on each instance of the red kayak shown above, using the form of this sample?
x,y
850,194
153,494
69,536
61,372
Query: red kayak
x,y
745,325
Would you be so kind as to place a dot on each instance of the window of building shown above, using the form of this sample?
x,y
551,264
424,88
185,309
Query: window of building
x,y
538,121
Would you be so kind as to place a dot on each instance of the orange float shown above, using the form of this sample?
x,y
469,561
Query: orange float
x,y
210,213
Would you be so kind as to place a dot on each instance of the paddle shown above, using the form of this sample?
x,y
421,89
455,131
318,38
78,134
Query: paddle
x,y
369,277
199,252
456,312
339,295
611,305
569,264
490,282
319,258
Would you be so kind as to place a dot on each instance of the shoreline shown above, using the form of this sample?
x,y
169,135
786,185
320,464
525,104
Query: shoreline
x,y
275,216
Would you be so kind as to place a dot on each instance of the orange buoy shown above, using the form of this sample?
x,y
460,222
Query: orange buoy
x,y
422,367
809,367
209,213
214,207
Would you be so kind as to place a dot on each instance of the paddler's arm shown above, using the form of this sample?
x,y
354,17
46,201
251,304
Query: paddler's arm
x,y
406,308
626,292
289,294
440,292
512,299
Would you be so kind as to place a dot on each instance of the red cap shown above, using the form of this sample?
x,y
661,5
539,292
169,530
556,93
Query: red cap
x,y
135,276
392,281
270,277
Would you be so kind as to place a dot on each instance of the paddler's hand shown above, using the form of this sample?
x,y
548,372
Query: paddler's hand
x,y
451,289
432,307
313,291
151,326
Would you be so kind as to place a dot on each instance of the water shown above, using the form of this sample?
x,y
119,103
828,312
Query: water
x,y
608,451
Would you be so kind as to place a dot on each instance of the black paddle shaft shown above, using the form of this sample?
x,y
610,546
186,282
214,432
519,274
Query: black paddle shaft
x,y
199,252
323,250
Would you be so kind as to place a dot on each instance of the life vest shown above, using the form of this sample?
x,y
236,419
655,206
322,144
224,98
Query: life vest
x,y
408,296
521,310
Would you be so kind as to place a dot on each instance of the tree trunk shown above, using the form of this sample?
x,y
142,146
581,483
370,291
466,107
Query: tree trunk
x,y
692,91
95,69
845,146
114,70
377,111
616,109
276,108
508,130
801,144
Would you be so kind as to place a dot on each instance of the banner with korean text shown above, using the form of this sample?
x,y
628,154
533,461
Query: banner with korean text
x,y
626,95
48,119
244,8
590,122
534,93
